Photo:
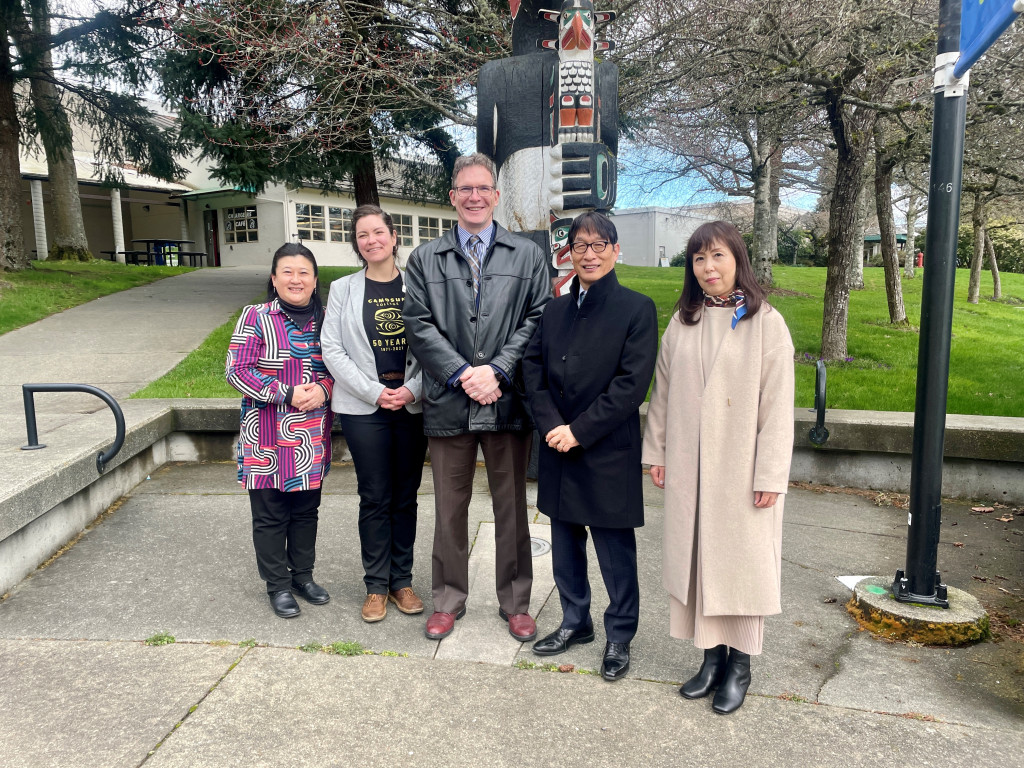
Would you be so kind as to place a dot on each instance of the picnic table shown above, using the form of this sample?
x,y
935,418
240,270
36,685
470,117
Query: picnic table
x,y
161,248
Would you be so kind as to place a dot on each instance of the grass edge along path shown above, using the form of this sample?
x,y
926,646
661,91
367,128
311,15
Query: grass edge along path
x,y
987,366
48,287
201,372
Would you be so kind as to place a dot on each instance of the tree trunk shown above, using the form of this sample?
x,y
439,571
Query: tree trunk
x,y
997,285
853,143
775,201
887,241
978,220
12,243
762,255
364,179
856,274
911,257
69,240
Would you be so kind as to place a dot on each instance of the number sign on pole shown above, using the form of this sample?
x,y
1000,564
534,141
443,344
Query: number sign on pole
x,y
981,22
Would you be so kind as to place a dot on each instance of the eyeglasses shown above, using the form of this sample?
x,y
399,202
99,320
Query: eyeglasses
x,y
598,247
468,191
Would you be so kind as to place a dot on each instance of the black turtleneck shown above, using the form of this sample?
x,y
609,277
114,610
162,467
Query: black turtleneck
x,y
299,315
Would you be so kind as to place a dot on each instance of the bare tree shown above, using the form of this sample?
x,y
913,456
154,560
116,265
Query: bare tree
x,y
885,161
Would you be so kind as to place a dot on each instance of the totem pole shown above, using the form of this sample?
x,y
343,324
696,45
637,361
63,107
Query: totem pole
x,y
548,116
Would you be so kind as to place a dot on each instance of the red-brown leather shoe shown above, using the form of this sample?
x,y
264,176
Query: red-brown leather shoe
x,y
520,625
440,625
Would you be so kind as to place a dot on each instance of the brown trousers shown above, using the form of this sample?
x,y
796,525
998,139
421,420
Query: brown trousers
x,y
453,463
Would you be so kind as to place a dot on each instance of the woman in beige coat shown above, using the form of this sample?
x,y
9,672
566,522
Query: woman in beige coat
x,y
719,439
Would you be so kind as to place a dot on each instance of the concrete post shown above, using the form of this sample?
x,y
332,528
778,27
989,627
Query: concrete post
x,y
115,218
183,221
39,219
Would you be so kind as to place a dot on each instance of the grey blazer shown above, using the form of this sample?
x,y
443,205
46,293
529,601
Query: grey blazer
x,y
349,357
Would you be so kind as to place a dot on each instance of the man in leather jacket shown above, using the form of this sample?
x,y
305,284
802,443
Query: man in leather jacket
x,y
473,299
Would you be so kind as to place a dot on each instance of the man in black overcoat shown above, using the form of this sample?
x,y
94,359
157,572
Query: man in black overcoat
x,y
587,370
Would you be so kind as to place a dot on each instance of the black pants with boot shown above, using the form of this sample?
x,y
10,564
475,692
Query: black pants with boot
x,y
387,449
284,535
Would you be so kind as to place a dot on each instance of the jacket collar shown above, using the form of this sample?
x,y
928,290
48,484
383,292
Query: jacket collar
x,y
450,240
598,290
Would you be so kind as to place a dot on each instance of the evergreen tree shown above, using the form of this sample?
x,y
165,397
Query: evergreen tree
x,y
311,91
71,73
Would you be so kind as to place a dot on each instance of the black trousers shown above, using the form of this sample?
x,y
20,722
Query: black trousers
x,y
284,535
387,448
616,555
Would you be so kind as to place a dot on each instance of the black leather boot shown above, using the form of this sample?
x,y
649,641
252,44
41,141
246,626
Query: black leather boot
x,y
733,688
710,675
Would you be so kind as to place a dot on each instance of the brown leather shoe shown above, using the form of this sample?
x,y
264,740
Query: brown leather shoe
x,y
520,625
406,600
375,608
440,625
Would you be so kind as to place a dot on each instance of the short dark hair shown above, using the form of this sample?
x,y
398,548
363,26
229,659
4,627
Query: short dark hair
x,y
692,298
594,222
369,209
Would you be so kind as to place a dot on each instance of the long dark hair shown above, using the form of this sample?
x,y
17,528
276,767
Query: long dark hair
x,y
297,249
369,209
692,298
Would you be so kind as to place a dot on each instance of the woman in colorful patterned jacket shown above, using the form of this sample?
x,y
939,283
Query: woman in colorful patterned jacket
x,y
284,450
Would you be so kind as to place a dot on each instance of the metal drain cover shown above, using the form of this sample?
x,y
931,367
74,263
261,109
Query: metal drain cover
x,y
539,547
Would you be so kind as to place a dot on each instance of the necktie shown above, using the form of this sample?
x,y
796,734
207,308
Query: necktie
x,y
475,252
579,301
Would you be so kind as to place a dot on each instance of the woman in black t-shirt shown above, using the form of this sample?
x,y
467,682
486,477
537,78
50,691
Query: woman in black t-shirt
x,y
377,397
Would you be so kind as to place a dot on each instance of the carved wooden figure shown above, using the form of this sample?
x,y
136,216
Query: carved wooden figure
x,y
548,116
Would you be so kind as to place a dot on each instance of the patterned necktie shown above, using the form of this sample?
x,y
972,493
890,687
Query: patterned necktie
x,y
579,301
475,252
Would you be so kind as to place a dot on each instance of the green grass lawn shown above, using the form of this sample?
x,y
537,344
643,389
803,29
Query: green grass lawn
x,y
987,354
201,373
48,287
987,366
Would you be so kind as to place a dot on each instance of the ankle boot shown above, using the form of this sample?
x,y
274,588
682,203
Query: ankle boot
x,y
733,688
710,675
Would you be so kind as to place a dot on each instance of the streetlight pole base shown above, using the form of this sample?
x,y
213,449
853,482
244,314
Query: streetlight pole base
x,y
902,594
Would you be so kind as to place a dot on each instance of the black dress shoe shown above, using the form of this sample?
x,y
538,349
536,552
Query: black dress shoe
x,y
711,673
311,592
562,639
733,688
284,604
616,661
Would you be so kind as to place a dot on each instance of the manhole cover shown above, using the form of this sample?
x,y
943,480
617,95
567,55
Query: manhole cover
x,y
539,547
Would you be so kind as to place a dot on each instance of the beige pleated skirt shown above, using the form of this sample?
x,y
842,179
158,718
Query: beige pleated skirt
x,y
744,633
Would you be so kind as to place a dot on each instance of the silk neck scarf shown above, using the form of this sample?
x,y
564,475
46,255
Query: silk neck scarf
x,y
735,299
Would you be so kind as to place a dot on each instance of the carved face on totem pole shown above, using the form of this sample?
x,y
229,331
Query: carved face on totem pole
x,y
576,45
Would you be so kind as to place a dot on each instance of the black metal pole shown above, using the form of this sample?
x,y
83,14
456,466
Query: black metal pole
x,y
920,583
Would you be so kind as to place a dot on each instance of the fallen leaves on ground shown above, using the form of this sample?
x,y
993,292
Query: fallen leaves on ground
x,y
879,498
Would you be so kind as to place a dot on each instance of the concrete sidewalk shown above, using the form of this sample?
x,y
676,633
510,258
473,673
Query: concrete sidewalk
x,y
119,343
175,556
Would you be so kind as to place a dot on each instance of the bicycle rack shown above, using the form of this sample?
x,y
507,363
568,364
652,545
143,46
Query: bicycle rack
x,y
28,392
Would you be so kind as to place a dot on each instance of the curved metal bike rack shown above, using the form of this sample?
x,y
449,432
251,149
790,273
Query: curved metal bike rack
x,y
28,391
819,434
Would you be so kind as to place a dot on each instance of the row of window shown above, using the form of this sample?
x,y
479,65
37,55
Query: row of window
x,y
321,223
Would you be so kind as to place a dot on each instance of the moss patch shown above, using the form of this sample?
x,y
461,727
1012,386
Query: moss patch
x,y
916,630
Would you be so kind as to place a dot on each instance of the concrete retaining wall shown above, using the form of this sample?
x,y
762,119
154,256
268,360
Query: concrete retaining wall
x,y
52,503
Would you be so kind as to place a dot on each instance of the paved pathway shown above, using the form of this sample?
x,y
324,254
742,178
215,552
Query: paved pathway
x,y
82,689
118,343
